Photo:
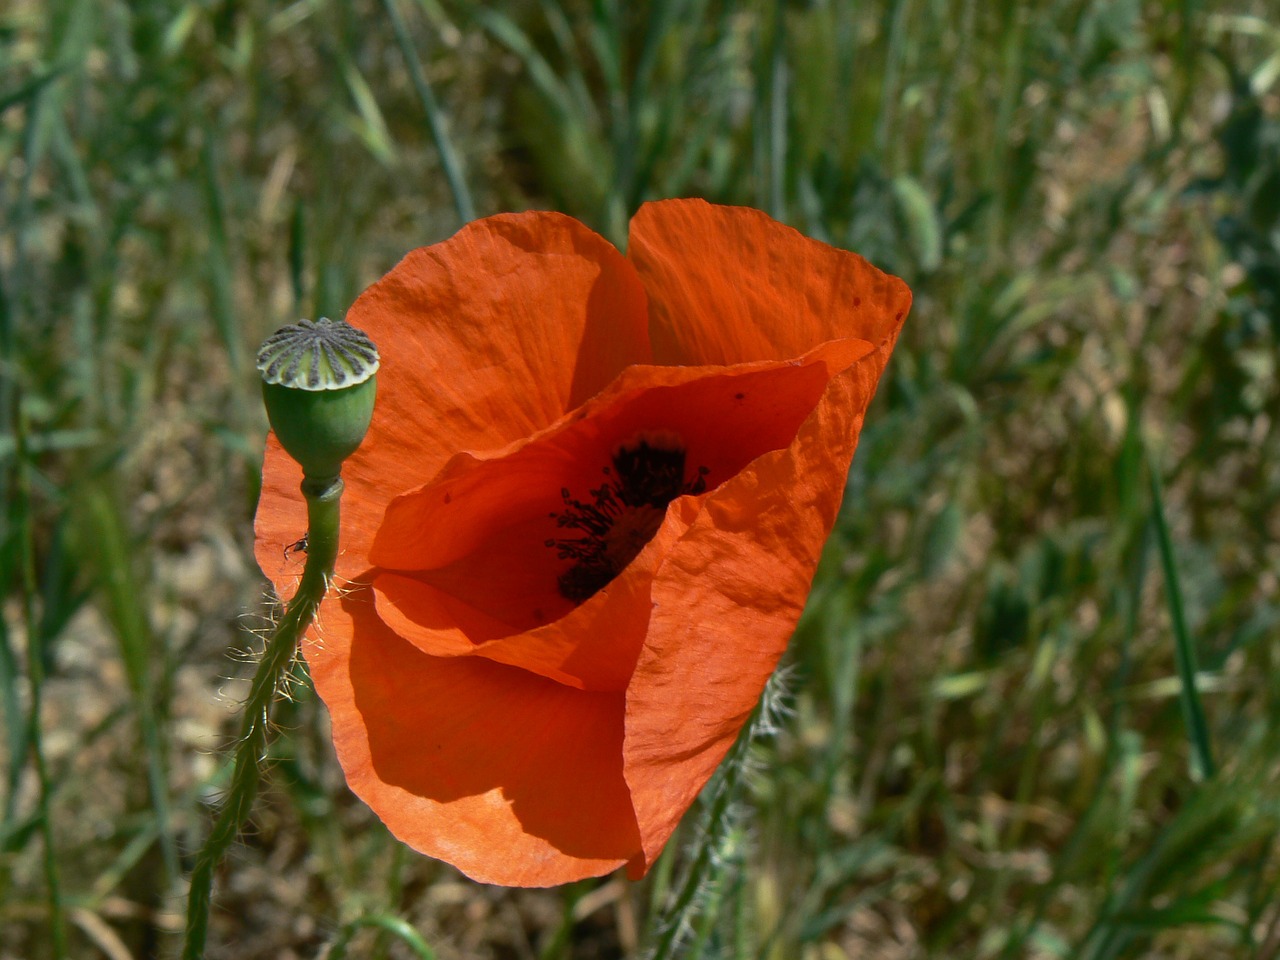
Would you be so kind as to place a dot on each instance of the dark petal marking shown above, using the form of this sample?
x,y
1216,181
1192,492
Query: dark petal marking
x,y
643,479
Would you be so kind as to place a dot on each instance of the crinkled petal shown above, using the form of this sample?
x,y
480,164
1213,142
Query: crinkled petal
x,y
726,284
469,569
725,604
731,284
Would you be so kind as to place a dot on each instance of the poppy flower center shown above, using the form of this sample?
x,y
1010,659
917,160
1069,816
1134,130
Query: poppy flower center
x,y
623,513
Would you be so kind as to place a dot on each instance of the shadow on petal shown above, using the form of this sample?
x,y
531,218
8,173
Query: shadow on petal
x,y
514,778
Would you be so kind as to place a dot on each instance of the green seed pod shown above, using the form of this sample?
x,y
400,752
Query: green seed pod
x,y
318,385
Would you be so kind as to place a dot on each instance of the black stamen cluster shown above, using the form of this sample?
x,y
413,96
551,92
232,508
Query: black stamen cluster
x,y
644,477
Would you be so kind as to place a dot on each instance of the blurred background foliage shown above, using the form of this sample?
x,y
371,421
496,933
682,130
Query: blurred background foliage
x,y
1035,705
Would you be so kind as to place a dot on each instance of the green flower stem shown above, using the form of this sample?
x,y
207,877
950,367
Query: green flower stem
x,y
701,874
323,497
682,911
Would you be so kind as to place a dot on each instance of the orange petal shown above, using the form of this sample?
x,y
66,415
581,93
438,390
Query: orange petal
x,y
511,778
726,284
593,647
474,547
730,284
725,604
486,338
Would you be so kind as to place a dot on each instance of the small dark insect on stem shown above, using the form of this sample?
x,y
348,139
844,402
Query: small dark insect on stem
x,y
298,546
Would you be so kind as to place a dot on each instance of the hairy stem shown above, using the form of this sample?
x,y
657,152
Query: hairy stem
x,y
322,550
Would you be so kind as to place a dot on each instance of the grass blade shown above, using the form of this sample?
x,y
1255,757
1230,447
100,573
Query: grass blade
x,y
35,670
393,925
110,549
1185,652
449,159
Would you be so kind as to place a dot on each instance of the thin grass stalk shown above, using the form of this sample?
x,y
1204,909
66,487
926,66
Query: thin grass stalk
x,y
943,130
845,666
661,882
558,946
395,893
138,650
15,720
221,296
449,160
322,552
571,98
608,40
35,673
1189,47
372,128
660,29
1011,84
760,147
743,941
393,925
1191,829
662,16
104,883
896,27
778,118
1184,649
568,90
680,158
562,33
298,256
1080,835
8,351
22,212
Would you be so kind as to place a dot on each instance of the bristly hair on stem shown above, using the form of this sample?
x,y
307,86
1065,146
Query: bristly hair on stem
x,y
718,844
277,659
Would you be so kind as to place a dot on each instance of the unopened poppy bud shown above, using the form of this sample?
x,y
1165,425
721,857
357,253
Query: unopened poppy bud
x,y
318,385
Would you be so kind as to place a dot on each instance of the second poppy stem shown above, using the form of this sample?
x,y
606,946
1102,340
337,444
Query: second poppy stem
x,y
718,820
322,552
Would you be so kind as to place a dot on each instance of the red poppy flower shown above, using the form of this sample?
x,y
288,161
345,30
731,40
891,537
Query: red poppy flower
x,y
583,523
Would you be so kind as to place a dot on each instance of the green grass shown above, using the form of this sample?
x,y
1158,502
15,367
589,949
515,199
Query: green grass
x,y
1035,698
